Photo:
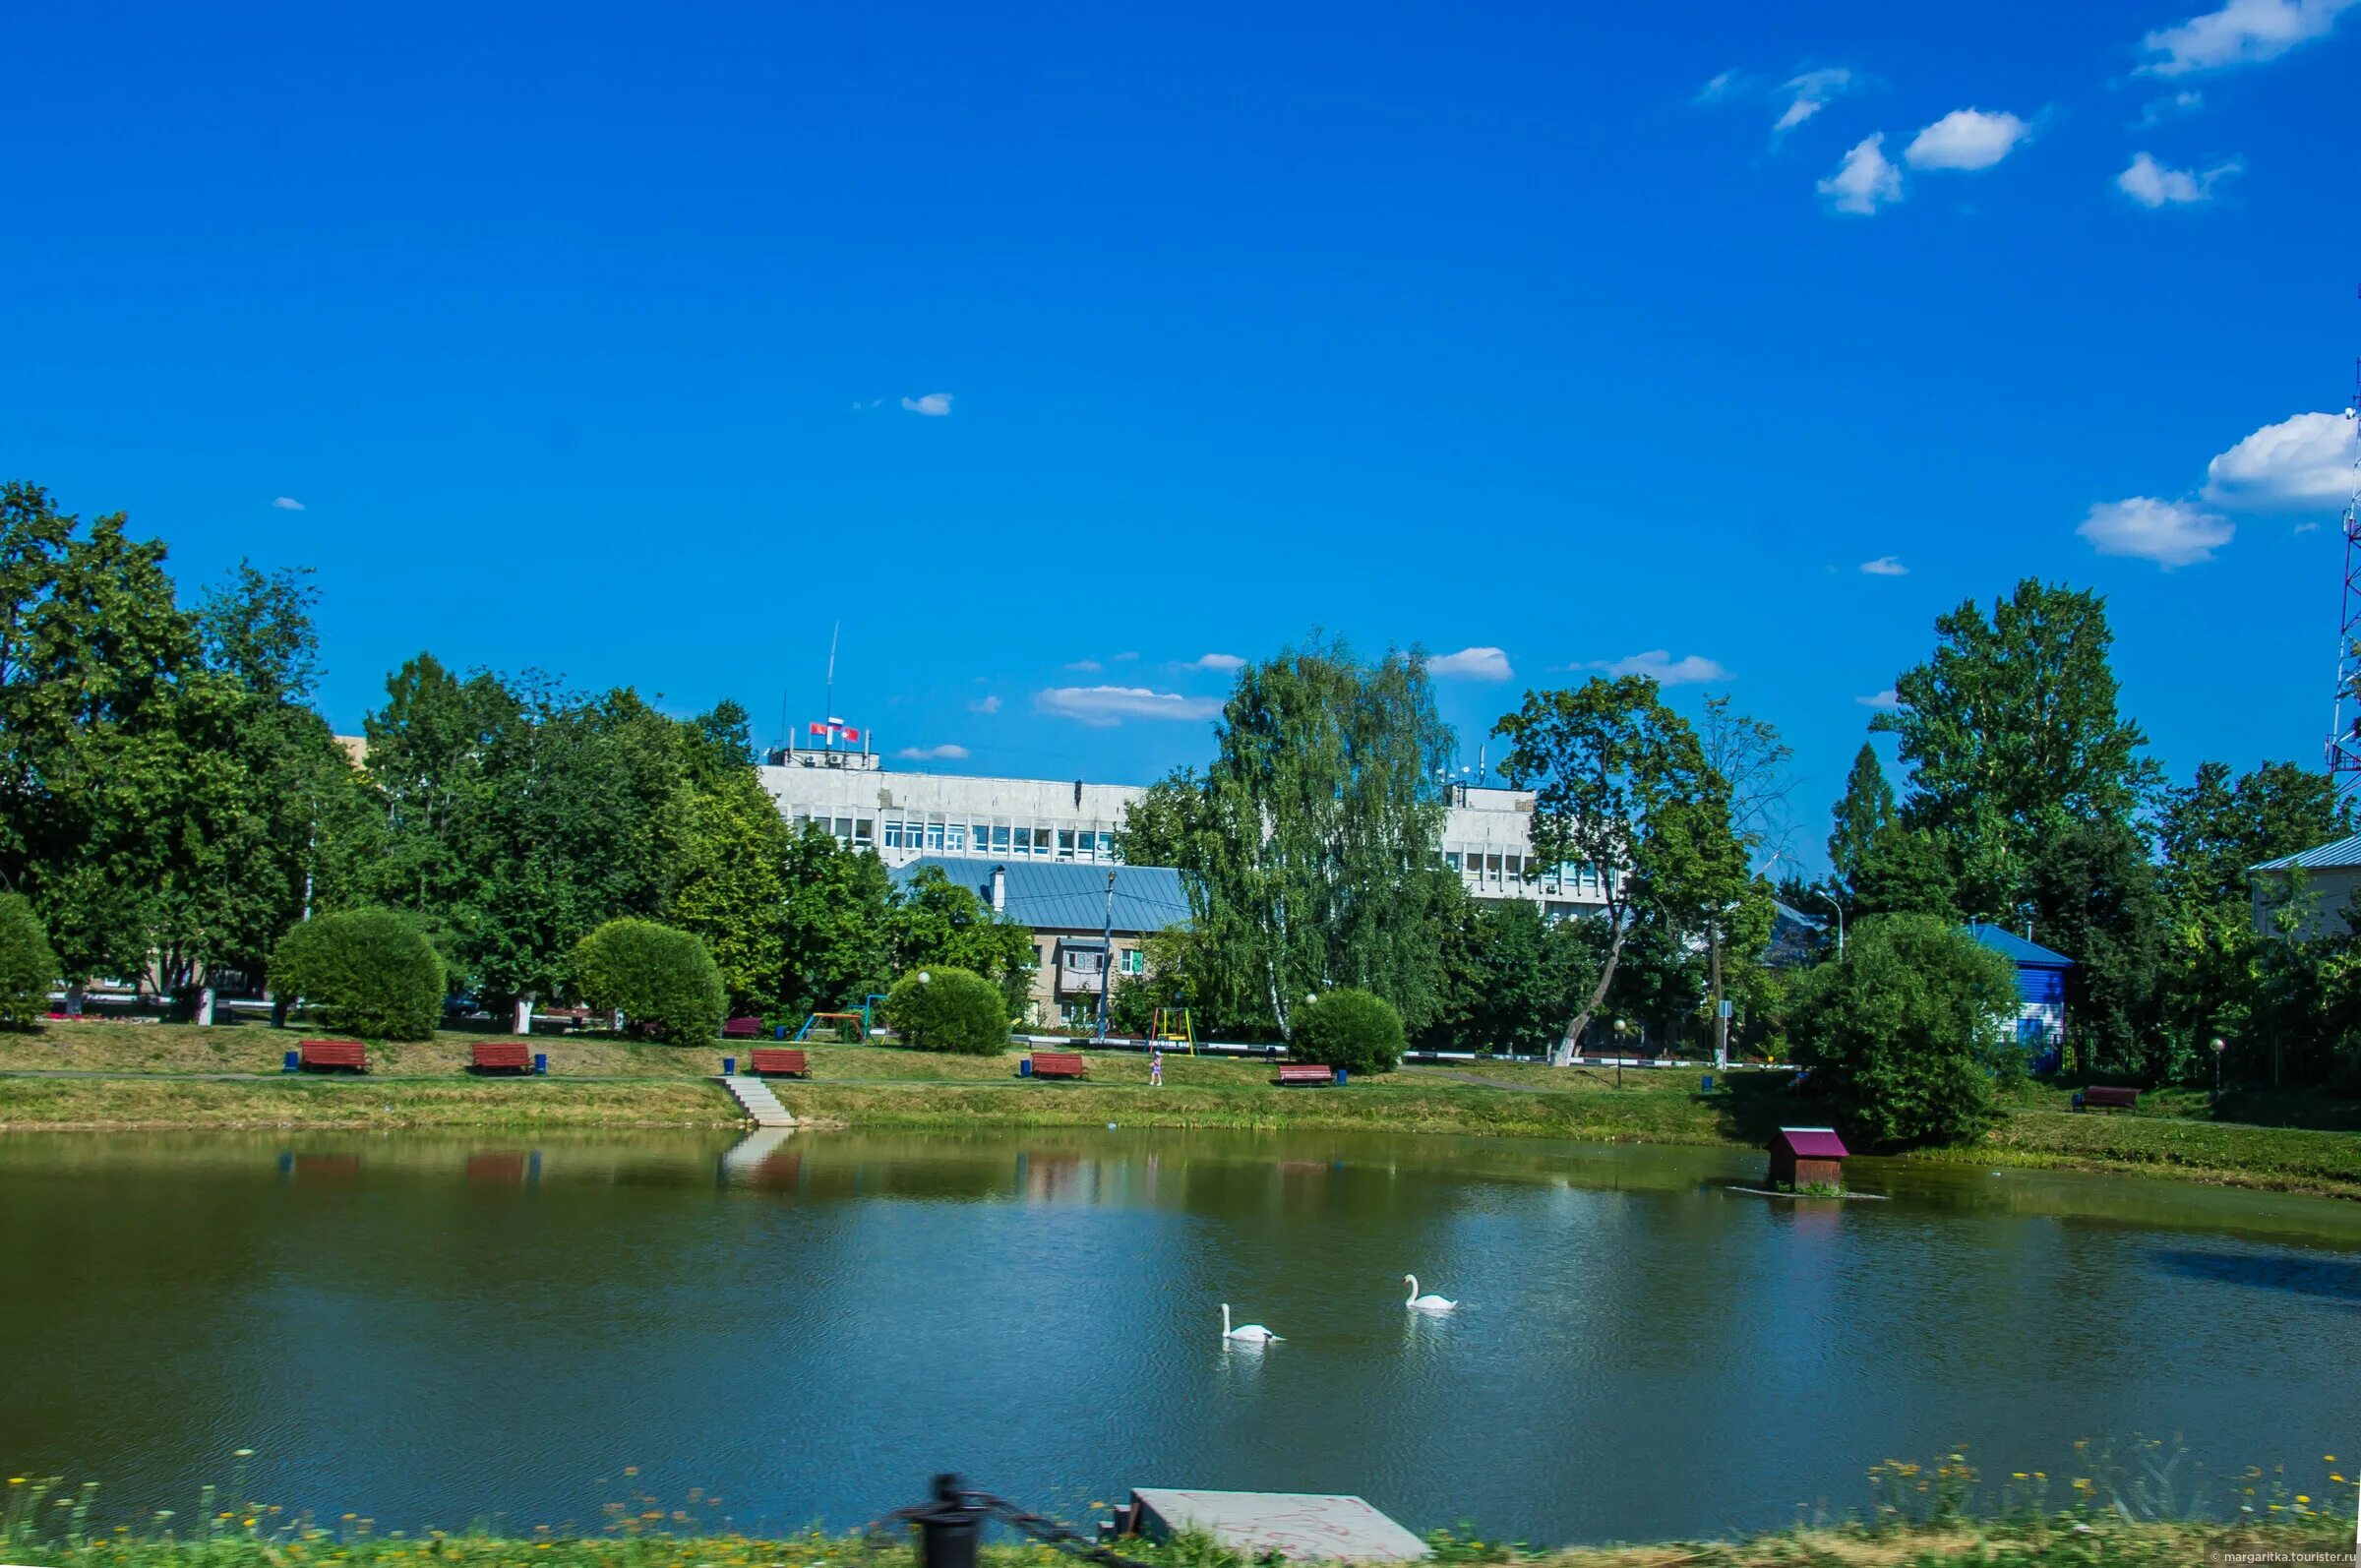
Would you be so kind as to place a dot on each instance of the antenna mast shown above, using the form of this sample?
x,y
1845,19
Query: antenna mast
x,y
2344,726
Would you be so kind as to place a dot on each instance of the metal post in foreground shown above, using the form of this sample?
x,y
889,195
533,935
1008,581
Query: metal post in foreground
x,y
948,1530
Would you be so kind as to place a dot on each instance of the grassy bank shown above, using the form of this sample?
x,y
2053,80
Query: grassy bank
x,y
165,1075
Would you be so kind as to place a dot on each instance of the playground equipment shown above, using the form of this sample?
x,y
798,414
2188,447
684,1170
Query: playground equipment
x,y
856,1024
1172,1027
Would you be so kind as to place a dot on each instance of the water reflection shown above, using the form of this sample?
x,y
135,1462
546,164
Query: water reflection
x,y
2337,1278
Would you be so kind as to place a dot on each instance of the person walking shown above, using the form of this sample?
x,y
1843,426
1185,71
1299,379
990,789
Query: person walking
x,y
1156,1068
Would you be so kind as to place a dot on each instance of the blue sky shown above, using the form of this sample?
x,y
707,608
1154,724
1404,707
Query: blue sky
x,y
640,344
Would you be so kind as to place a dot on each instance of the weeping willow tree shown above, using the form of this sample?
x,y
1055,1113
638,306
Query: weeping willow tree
x,y
1312,844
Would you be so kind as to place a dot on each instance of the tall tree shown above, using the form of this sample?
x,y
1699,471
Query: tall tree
x,y
2011,729
1862,814
2092,893
1724,832
1612,771
834,949
935,921
1514,975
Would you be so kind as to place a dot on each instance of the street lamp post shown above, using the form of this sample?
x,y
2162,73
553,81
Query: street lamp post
x,y
2219,1046
1620,1026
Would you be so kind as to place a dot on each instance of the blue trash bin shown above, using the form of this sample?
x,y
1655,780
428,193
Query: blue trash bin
x,y
729,1067
1024,1066
1709,1083
541,1069
1343,1077
782,1033
295,1062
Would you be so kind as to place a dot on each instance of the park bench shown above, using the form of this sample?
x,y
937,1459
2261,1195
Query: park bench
x,y
779,1063
2100,1097
348,1055
501,1055
741,1029
1308,1073
1059,1064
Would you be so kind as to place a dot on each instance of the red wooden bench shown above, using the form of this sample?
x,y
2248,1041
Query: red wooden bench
x,y
350,1056
2100,1097
1059,1064
772,1062
1304,1073
502,1056
741,1029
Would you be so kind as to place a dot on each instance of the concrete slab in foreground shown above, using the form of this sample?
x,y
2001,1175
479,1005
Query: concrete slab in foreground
x,y
1301,1525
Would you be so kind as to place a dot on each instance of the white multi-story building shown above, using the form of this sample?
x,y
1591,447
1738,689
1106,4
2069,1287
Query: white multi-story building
x,y
900,815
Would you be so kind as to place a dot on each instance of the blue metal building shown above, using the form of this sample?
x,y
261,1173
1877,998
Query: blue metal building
x,y
2041,993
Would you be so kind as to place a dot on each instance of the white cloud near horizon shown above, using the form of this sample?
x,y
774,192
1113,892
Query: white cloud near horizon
x,y
1085,667
1865,180
289,503
1807,94
1886,566
1658,665
945,753
2171,533
2303,461
985,705
1219,663
933,404
1967,140
2241,32
1471,664
2153,185
1104,706
1884,701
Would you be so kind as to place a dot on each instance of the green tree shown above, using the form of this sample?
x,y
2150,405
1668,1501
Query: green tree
x,y
370,970
1905,1033
661,980
428,764
948,1009
2093,896
2012,729
1514,977
1618,779
1350,1028
1907,871
836,947
1862,813
937,923
2211,831
734,849
28,965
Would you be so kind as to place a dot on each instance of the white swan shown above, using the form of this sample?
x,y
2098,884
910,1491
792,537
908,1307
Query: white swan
x,y
1425,1303
1246,1333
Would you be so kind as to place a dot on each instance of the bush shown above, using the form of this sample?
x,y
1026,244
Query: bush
x,y
1907,1033
664,981
949,1009
370,970
28,965
1349,1028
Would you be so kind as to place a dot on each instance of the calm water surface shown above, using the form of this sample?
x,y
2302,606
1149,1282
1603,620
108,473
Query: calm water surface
x,y
431,1331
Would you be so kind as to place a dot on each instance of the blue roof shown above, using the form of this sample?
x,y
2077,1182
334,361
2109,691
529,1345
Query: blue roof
x,y
1068,895
2343,853
2016,949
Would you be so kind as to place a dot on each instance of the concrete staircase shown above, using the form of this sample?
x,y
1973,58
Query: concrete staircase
x,y
760,1103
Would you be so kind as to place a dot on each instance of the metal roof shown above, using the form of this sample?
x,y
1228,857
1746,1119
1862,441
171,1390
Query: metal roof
x,y
1068,895
1811,1144
2016,949
2345,853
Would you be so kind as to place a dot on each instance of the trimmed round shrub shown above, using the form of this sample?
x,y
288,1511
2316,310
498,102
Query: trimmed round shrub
x,y
28,965
949,1009
369,970
1349,1028
664,981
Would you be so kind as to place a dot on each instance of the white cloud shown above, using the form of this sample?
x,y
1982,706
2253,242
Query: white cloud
x,y
1102,706
1886,566
869,402
1221,663
2152,184
2171,533
1884,701
1966,139
1725,85
2176,107
2303,461
1471,664
289,504
2241,32
1807,94
1126,658
985,705
935,405
1864,181
1085,666
945,753
1658,665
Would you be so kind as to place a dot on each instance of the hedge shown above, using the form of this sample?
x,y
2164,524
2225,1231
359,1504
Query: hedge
x,y
370,970
664,981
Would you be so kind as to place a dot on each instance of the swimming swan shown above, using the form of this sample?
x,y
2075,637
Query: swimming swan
x,y
1249,1333
1425,1303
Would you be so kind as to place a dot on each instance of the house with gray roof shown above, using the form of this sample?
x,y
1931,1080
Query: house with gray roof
x,y
1087,919
2310,891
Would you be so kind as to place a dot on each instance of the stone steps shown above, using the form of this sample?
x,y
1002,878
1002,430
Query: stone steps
x,y
759,1102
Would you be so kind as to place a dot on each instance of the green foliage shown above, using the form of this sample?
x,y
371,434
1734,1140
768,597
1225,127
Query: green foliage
x,y
834,949
1905,1033
1862,814
1350,1028
1514,977
2093,894
370,970
662,979
28,965
949,1009
732,881
939,923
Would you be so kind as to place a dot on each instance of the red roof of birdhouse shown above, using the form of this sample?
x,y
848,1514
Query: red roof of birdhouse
x,y
1811,1144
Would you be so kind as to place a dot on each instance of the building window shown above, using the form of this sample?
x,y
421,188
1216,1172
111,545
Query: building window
x,y
893,835
1000,839
1106,846
844,831
1065,843
1024,841
934,835
865,832
1134,961
954,837
1084,961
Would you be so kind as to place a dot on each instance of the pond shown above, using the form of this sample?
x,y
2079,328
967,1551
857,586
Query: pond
x,y
434,1331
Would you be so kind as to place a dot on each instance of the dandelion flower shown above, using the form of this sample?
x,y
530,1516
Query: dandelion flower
x,y
2302,1498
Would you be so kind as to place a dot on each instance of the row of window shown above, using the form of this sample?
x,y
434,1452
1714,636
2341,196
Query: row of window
x,y
1093,961
1516,870
999,838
